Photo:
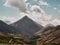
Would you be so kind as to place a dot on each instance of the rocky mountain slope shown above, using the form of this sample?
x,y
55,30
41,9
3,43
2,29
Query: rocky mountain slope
x,y
50,34
26,26
5,28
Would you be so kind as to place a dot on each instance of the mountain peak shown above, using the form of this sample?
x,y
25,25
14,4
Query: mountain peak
x,y
27,26
2,22
25,18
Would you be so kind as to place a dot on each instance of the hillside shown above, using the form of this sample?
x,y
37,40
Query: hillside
x,y
50,34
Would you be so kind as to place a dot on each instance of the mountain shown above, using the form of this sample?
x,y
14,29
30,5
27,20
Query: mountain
x,y
50,34
26,26
5,28
47,29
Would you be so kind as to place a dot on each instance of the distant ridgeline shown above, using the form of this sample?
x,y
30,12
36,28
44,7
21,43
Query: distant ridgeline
x,y
24,26
30,31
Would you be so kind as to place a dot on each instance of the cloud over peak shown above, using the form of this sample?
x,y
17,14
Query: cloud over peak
x,y
35,12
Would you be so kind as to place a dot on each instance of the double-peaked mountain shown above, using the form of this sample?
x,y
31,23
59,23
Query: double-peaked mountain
x,y
5,28
26,26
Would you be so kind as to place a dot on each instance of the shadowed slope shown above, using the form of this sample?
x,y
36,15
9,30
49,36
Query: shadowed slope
x,y
27,26
5,28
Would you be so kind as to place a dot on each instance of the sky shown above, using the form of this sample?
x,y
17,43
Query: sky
x,y
13,11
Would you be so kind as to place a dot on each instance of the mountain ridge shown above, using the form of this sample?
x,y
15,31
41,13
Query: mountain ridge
x,y
6,28
27,25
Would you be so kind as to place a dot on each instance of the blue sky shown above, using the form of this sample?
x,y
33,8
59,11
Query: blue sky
x,y
6,11
51,7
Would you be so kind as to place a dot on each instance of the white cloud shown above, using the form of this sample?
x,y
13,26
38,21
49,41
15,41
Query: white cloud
x,y
37,14
25,0
28,5
7,19
41,18
20,4
43,3
37,9
55,22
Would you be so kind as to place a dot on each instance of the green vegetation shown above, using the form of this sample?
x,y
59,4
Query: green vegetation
x,y
20,39
14,39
